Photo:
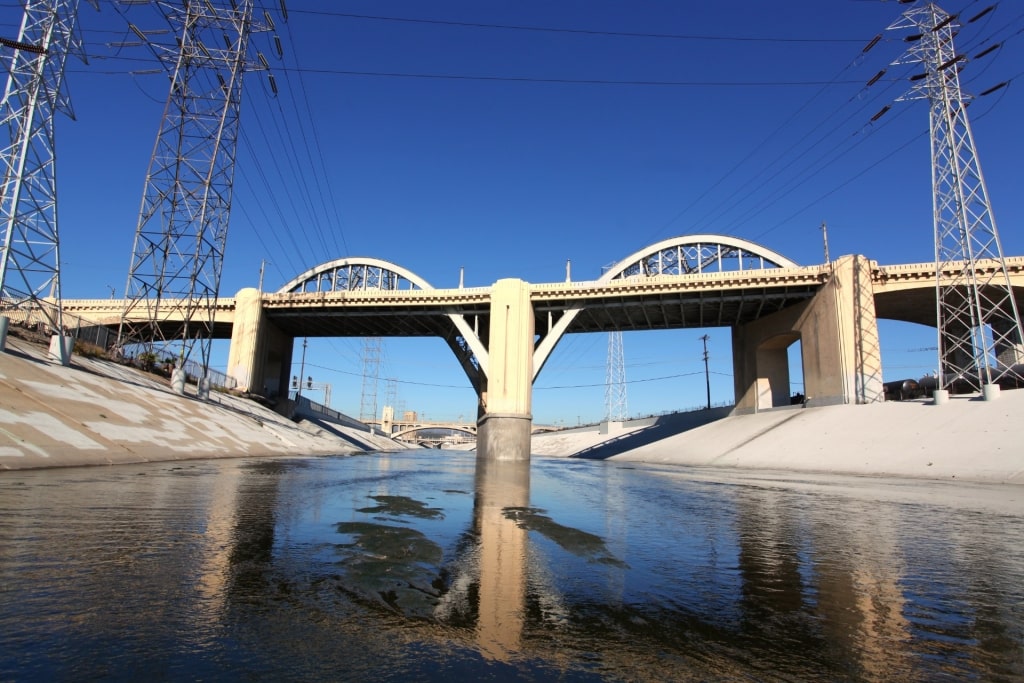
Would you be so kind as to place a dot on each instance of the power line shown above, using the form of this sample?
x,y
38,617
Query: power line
x,y
528,79
578,31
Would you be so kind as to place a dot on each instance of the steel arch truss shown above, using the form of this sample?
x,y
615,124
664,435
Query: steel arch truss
x,y
677,256
363,274
355,274
689,254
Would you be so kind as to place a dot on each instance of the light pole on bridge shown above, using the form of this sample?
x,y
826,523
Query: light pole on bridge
x,y
707,376
302,370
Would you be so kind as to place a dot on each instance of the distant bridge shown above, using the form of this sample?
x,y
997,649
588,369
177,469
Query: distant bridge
x,y
401,429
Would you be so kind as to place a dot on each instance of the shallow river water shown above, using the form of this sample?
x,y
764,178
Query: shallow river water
x,y
421,566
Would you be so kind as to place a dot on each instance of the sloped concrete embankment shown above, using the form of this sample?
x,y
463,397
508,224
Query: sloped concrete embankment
x,y
96,412
967,439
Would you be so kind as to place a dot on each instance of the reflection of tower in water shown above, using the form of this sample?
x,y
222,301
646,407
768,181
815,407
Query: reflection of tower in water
x,y
833,588
218,543
860,597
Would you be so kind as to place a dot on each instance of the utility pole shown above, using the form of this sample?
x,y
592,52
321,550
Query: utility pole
x,y
263,265
302,370
707,374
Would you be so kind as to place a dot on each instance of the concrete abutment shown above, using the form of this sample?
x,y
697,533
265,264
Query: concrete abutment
x,y
260,356
838,334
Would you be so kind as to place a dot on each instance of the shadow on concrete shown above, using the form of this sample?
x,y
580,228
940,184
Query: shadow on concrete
x,y
24,356
660,428
333,429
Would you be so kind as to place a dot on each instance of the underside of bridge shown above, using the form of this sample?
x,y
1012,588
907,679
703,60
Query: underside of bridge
x,y
371,321
624,312
918,305
628,312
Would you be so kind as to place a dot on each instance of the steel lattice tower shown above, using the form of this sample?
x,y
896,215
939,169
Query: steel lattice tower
x,y
615,380
979,326
391,391
30,253
371,377
178,254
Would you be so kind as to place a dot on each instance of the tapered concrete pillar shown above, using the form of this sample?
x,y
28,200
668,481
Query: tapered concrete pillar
x,y
838,334
504,428
260,353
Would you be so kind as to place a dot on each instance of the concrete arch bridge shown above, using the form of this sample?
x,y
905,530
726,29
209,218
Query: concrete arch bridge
x,y
407,430
503,335
432,434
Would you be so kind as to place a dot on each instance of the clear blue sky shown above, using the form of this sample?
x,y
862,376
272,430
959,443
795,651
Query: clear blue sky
x,y
508,137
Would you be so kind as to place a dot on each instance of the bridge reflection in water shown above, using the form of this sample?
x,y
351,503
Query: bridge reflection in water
x,y
414,567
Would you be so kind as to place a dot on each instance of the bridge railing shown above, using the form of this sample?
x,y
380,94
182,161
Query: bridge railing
x,y
314,409
292,298
39,314
217,378
88,331
800,273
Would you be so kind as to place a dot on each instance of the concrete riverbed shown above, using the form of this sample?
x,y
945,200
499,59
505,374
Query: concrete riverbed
x,y
95,412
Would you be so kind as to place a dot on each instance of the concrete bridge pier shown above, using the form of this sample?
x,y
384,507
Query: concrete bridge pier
x,y
838,334
503,430
260,357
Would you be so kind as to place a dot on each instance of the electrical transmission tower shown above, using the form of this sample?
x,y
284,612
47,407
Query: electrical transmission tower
x,y
979,326
30,253
178,254
615,380
391,391
371,377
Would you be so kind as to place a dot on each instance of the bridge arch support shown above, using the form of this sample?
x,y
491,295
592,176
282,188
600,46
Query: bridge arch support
x,y
260,355
681,255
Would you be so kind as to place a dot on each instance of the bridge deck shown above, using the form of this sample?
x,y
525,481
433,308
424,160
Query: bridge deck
x,y
902,292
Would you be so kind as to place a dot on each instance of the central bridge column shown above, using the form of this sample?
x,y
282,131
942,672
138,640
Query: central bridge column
x,y
504,428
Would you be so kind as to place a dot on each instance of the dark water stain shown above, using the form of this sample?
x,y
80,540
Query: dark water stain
x,y
396,565
570,539
399,506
